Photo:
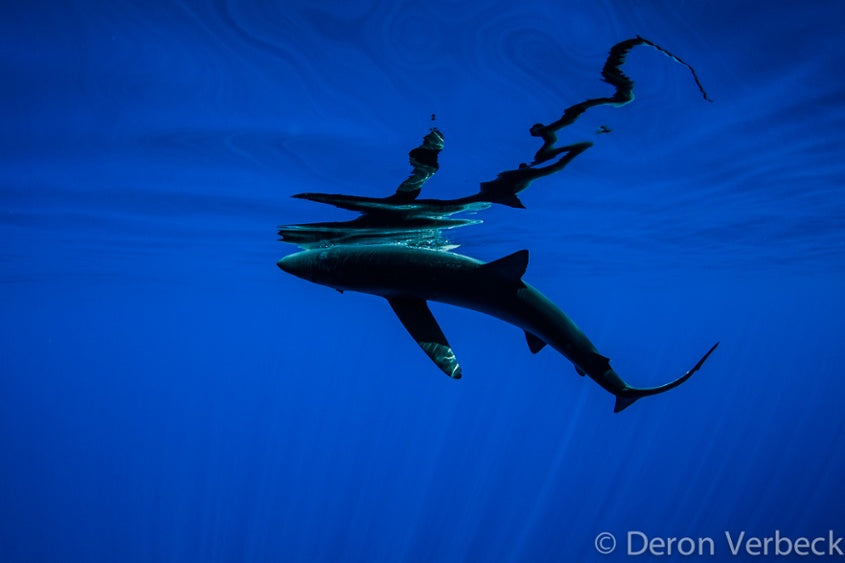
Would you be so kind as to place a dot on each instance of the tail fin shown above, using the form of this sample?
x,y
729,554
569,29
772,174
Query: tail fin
x,y
627,397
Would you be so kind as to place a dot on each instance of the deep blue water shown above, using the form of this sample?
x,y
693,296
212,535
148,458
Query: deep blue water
x,y
167,394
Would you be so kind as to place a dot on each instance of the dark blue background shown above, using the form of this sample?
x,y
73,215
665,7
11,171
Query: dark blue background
x,y
167,394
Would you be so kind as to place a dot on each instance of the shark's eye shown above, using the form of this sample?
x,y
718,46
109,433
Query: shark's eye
x,y
328,260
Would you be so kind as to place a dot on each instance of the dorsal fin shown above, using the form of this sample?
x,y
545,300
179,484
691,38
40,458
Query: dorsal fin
x,y
601,361
534,342
512,266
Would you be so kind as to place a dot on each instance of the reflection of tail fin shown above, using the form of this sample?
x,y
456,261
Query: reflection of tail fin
x,y
509,199
627,396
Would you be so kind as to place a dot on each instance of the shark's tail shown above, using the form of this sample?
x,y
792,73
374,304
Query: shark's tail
x,y
628,395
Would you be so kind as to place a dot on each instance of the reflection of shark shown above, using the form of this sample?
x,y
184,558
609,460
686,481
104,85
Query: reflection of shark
x,y
408,277
404,217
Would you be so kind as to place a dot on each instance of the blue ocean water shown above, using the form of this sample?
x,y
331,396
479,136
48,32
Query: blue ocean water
x,y
168,394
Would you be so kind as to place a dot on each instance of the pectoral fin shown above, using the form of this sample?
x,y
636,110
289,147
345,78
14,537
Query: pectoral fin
x,y
422,326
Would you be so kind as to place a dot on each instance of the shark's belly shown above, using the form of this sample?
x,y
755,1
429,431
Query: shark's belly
x,y
464,282
526,308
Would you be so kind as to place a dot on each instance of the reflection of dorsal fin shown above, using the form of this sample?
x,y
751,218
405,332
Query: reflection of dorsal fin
x,y
512,266
534,342
511,200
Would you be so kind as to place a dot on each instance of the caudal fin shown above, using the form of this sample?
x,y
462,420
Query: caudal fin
x,y
627,396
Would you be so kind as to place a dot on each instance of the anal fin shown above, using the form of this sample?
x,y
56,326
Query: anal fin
x,y
422,326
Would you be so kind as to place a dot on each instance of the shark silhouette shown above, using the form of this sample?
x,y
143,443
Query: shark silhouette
x,y
394,250
408,277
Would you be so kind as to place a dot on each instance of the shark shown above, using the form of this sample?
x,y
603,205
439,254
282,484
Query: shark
x,y
409,277
396,250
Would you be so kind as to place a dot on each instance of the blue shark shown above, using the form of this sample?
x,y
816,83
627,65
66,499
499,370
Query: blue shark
x,y
408,277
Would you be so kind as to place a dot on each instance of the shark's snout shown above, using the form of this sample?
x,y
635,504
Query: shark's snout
x,y
285,264
301,264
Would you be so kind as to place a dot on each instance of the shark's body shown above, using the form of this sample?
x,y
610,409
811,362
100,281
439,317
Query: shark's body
x,y
409,277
